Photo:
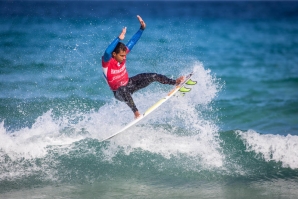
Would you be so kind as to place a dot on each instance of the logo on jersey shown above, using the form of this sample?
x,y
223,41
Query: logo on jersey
x,y
119,70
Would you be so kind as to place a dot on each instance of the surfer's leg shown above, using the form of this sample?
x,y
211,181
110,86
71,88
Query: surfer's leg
x,y
123,94
144,79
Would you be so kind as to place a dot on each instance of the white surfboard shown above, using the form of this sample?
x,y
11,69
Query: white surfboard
x,y
155,106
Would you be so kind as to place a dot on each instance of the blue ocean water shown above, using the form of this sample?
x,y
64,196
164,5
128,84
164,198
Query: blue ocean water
x,y
234,136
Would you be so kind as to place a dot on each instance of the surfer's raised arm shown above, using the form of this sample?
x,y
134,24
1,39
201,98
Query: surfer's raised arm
x,y
130,44
143,25
108,52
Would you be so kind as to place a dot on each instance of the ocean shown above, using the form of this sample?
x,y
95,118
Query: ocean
x,y
235,135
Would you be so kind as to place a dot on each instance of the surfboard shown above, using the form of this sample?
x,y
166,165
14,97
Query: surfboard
x,y
181,87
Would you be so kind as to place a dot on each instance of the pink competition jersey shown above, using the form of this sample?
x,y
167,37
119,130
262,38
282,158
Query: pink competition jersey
x,y
115,73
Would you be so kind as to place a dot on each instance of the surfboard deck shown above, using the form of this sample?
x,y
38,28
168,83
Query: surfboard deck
x,y
153,107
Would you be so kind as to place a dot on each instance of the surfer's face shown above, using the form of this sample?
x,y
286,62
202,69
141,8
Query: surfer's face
x,y
120,57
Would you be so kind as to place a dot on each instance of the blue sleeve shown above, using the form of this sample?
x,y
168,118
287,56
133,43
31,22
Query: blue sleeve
x,y
134,39
108,53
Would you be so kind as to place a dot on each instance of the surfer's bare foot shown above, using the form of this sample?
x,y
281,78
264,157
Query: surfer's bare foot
x,y
137,114
179,80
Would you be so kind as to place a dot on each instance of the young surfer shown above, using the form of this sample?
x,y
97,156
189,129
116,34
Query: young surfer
x,y
115,73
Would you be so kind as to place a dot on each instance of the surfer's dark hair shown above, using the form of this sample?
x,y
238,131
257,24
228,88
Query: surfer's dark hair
x,y
120,46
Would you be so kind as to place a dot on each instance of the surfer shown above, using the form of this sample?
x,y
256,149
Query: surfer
x,y
115,73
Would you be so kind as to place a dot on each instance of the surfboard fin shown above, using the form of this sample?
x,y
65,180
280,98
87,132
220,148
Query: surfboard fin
x,y
184,89
190,82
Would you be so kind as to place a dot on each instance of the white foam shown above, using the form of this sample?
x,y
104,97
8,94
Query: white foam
x,y
199,142
32,142
21,148
276,148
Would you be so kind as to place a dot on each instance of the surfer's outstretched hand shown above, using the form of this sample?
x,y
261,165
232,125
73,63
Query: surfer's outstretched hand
x,y
143,25
122,34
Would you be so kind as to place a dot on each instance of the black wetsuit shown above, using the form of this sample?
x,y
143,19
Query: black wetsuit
x,y
137,82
